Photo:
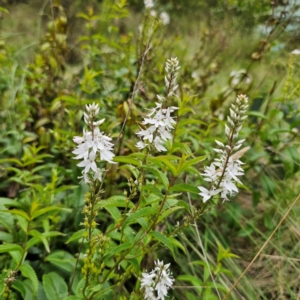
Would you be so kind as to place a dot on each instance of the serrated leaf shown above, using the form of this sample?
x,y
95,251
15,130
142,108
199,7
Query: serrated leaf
x,y
160,175
183,187
54,286
143,212
162,238
27,271
62,259
20,287
10,247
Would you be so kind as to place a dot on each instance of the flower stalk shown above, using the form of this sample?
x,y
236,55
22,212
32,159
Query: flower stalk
x,y
223,172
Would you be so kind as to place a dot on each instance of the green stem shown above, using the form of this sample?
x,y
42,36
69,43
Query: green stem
x,y
143,236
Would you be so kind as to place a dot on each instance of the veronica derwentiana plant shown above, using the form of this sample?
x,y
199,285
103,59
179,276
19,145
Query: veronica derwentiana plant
x,y
92,143
157,283
159,121
224,171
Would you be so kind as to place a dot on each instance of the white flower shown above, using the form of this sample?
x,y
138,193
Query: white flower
x,y
207,194
223,172
165,18
85,177
153,13
295,52
92,143
98,175
89,163
147,134
158,282
159,118
237,77
158,144
148,3
211,174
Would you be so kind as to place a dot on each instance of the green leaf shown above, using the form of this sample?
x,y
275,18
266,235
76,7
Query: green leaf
x,y
257,114
143,212
10,247
195,281
4,10
27,271
167,212
76,236
135,264
166,160
182,167
112,251
153,189
63,260
131,169
114,201
20,287
33,241
176,243
185,205
18,212
114,212
127,160
160,175
6,237
11,160
16,256
9,202
162,238
23,223
184,122
182,187
42,211
2,277
54,286
41,237
72,298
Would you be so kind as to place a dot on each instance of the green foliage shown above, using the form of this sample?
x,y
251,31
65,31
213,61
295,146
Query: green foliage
x,y
63,239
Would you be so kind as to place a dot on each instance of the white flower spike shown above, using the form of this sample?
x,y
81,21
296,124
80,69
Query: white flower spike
x,y
157,283
92,143
224,171
159,120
